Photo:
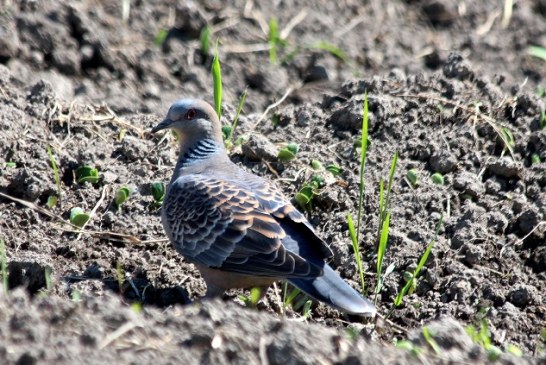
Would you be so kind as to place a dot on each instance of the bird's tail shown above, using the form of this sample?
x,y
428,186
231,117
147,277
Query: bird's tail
x,y
332,290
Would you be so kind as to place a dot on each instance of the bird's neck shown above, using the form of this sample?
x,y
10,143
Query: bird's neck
x,y
199,154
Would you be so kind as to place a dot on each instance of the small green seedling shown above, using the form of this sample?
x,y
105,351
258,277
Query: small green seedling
x,y
158,192
87,174
309,190
437,178
121,196
78,217
10,164
229,130
288,153
542,119
413,177
482,337
316,165
4,267
289,297
204,41
508,139
274,40
217,81
161,37
431,341
334,169
535,158
52,200
251,300
304,196
330,48
411,282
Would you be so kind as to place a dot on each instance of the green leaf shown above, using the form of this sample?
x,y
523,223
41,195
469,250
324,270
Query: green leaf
x,y
508,138
316,165
121,196
87,174
535,158
255,294
538,52
316,182
334,170
10,164
304,196
78,217
288,153
413,177
51,201
274,39
437,178
226,132
158,191
293,147
161,37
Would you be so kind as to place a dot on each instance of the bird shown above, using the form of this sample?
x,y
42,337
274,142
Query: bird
x,y
236,227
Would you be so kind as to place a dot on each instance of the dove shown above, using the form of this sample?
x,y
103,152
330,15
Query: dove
x,y
237,228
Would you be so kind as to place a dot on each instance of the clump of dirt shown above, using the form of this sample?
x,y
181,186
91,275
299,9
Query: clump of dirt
x,y
92,99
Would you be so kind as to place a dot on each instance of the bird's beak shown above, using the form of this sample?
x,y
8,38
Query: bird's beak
x,y
166,123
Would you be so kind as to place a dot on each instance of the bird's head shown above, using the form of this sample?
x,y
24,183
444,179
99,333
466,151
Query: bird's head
x,y
193,120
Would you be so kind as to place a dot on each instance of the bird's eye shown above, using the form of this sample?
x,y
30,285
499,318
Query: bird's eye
x,y
190,114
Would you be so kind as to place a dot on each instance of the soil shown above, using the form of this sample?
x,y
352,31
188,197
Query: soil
x,y
450,87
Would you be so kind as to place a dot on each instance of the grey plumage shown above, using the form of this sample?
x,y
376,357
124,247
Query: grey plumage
x,y
237,228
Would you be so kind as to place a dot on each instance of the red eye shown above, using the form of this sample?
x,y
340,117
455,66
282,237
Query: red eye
x,y
190,114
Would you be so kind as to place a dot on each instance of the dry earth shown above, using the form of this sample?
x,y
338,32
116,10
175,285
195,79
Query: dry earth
x,y
444,81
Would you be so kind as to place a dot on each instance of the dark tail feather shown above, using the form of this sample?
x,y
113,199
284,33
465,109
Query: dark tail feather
x,y
332,290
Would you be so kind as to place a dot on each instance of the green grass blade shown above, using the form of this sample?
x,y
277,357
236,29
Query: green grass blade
x,y
55,170
217,80
332,49
204,40
382,249
237,113
273,40
391,178
363,153
356,249
538,52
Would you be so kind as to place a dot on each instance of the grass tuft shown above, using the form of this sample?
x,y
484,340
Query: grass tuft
x,y
411,282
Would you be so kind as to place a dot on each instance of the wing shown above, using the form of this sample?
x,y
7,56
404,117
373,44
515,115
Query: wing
x,y
301,236
220,224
